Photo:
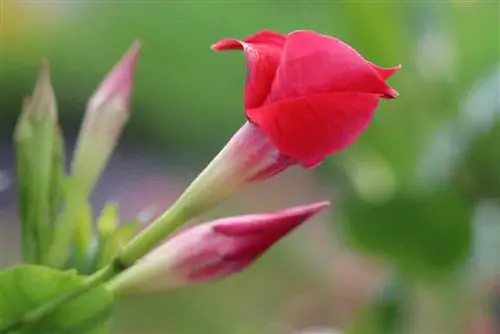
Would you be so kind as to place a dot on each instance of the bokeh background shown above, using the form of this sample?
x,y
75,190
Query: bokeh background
x,y
415,225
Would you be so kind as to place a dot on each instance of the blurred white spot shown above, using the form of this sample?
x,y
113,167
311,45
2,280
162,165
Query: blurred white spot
x,y
450,141
147,215
435,55
482,105
372,177
485,257
5,180
442,155
319,330
55,10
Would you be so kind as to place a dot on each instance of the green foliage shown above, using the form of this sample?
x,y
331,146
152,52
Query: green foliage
x,y
416,232
383,315
39,149
111,236
26,287
83,236
479,172
108,220
57,183
94,248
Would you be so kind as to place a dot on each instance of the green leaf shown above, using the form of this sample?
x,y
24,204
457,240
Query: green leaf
x,y
106,225
24,288
58,252
485,254
383,315
424,235
58,177
83,234
480,170
108,219
110,246
28,231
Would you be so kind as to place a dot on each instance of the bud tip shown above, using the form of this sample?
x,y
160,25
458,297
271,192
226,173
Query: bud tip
x,y
118,82
43,83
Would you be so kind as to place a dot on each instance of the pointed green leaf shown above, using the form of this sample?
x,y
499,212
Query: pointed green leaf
x,y
110,246
59,251
58,177
27,287
28,231
108,219
83,235
106,226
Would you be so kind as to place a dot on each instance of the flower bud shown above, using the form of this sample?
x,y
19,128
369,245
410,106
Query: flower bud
x,y
37,151
107,113
42,104
212,250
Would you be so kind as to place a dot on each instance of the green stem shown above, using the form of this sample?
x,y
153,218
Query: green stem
x,y
145,241
56,255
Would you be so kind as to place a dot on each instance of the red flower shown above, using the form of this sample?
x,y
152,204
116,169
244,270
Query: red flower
x,y
311,94
213,250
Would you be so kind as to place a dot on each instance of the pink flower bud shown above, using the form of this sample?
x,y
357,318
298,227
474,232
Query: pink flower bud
x,y
106,116
118,83
213,250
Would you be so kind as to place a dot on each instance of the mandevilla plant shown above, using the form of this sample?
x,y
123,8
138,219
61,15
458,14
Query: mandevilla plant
x,y
307,96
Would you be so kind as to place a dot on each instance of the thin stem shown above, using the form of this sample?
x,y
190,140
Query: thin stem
x,y
55,256
145,241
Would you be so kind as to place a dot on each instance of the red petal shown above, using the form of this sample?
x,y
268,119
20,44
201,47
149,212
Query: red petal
x,y
217,270
312,63
263,53
308,128
385,73
253,234
268,223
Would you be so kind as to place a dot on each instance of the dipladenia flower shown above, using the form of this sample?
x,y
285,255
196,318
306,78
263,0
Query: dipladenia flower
x,y
307,95
311,94
107,113
213,250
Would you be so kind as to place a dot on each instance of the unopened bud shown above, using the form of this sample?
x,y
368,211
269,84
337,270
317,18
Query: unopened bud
x,y
38,152
213,250
107,113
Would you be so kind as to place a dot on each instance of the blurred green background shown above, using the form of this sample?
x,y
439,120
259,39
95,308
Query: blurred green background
x,y
418,194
